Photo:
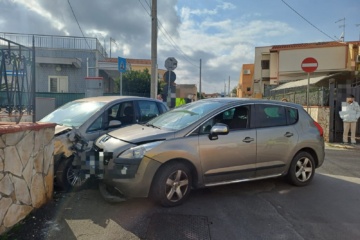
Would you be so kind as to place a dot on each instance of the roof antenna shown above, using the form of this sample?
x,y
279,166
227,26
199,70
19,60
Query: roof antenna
x,y
342,36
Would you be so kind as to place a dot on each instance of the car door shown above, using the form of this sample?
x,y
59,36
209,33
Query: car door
x,y
276,138
115,116
231,157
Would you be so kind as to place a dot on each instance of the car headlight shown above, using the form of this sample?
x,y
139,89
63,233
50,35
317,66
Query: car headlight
x,y
138,152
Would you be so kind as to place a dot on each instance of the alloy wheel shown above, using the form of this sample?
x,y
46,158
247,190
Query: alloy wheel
x,y
177,185
304,169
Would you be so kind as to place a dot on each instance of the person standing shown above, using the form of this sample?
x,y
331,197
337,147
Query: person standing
x,y
350,112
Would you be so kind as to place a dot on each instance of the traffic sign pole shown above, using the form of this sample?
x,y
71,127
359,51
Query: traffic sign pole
x,y
307,93
168,99
309,65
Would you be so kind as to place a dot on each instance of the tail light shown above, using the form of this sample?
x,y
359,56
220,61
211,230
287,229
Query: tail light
x,y
321,131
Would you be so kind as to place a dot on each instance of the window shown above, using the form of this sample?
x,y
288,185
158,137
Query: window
x,y
265,64
148,110
248,89
247,71
96,125
292,115
235,118
58,84
270,115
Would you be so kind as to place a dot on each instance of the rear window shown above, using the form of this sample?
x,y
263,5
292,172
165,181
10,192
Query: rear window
x,y
268,115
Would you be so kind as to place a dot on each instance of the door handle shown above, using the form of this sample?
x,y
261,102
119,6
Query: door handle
x,y
248,139
288,134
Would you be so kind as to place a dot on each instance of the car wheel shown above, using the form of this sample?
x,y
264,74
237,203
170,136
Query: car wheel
x,y
302,169
172,185
69,177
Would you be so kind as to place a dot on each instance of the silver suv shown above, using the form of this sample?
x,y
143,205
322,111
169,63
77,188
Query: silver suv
x,y
208,143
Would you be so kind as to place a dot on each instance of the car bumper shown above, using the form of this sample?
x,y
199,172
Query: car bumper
x,y
132,178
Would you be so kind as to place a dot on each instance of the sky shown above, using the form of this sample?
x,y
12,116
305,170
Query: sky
x,y
222,33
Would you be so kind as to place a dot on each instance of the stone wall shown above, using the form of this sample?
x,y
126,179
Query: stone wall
x,y
26,170
322,116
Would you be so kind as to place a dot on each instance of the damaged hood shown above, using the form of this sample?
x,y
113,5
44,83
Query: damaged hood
x,y
141,133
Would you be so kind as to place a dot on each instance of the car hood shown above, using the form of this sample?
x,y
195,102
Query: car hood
x,y
140,133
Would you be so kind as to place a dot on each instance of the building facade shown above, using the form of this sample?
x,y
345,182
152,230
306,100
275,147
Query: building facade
x,y
275,65
245,86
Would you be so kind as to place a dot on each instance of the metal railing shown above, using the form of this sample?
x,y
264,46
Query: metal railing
x,y
53,41
317,96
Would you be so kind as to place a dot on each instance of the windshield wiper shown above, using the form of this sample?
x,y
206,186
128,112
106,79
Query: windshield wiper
x,y
152,125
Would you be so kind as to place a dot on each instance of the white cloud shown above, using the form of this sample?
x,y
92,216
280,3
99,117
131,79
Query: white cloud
x,y
34,6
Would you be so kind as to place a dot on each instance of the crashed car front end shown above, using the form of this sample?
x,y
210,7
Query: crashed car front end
x,y
126,169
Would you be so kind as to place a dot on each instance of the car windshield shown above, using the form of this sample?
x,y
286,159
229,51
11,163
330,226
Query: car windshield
x,y
73,113
184,115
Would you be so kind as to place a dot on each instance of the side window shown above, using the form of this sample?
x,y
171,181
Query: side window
x,y
96,125
235,118
162,107
270,115
148,110
292,115
125,113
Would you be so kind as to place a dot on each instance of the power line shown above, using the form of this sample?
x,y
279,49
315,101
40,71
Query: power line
x,y
168,37
78,24
148,4
307,20
173,43
148,12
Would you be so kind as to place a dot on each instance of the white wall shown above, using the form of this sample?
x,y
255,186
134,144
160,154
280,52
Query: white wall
x,y
329,59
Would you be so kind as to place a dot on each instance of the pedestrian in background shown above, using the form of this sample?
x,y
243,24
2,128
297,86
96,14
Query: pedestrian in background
x,y
350,112
159,97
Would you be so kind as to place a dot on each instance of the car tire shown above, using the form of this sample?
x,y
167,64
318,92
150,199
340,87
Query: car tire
x,y
302,169
172,184
68,177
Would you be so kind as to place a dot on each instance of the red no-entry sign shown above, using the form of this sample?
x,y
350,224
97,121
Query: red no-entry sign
x,y
309,64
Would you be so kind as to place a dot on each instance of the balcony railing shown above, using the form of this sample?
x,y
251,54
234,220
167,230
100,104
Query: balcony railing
x,y
53,41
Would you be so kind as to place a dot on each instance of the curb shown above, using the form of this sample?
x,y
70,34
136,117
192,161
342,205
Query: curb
x,y
343,146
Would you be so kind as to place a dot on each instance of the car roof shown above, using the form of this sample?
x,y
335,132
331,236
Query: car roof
x,y
228,100
112,98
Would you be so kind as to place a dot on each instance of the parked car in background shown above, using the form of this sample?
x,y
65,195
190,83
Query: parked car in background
x,y
82,121
212,142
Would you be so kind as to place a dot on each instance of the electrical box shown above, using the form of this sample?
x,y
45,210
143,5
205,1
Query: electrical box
x,y
94,86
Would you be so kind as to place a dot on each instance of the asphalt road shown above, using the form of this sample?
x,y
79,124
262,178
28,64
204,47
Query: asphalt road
x,y
329,208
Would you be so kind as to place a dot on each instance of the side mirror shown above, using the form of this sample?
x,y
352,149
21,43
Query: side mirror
x,y
114,123
218,129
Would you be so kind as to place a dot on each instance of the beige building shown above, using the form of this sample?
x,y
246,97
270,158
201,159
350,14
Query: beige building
x,y
280,64
245,86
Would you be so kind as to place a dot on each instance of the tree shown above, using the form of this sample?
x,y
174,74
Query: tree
x,y
134,83
234,90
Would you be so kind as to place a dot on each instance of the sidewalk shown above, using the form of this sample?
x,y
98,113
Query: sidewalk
x,y
343,146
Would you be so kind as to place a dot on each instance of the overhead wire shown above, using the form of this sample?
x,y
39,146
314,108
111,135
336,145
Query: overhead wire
x,y
173,43
168,37
145,7
308,21
72,10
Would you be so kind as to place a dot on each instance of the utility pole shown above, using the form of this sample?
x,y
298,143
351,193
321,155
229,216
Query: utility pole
x,y
154,82
200,94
